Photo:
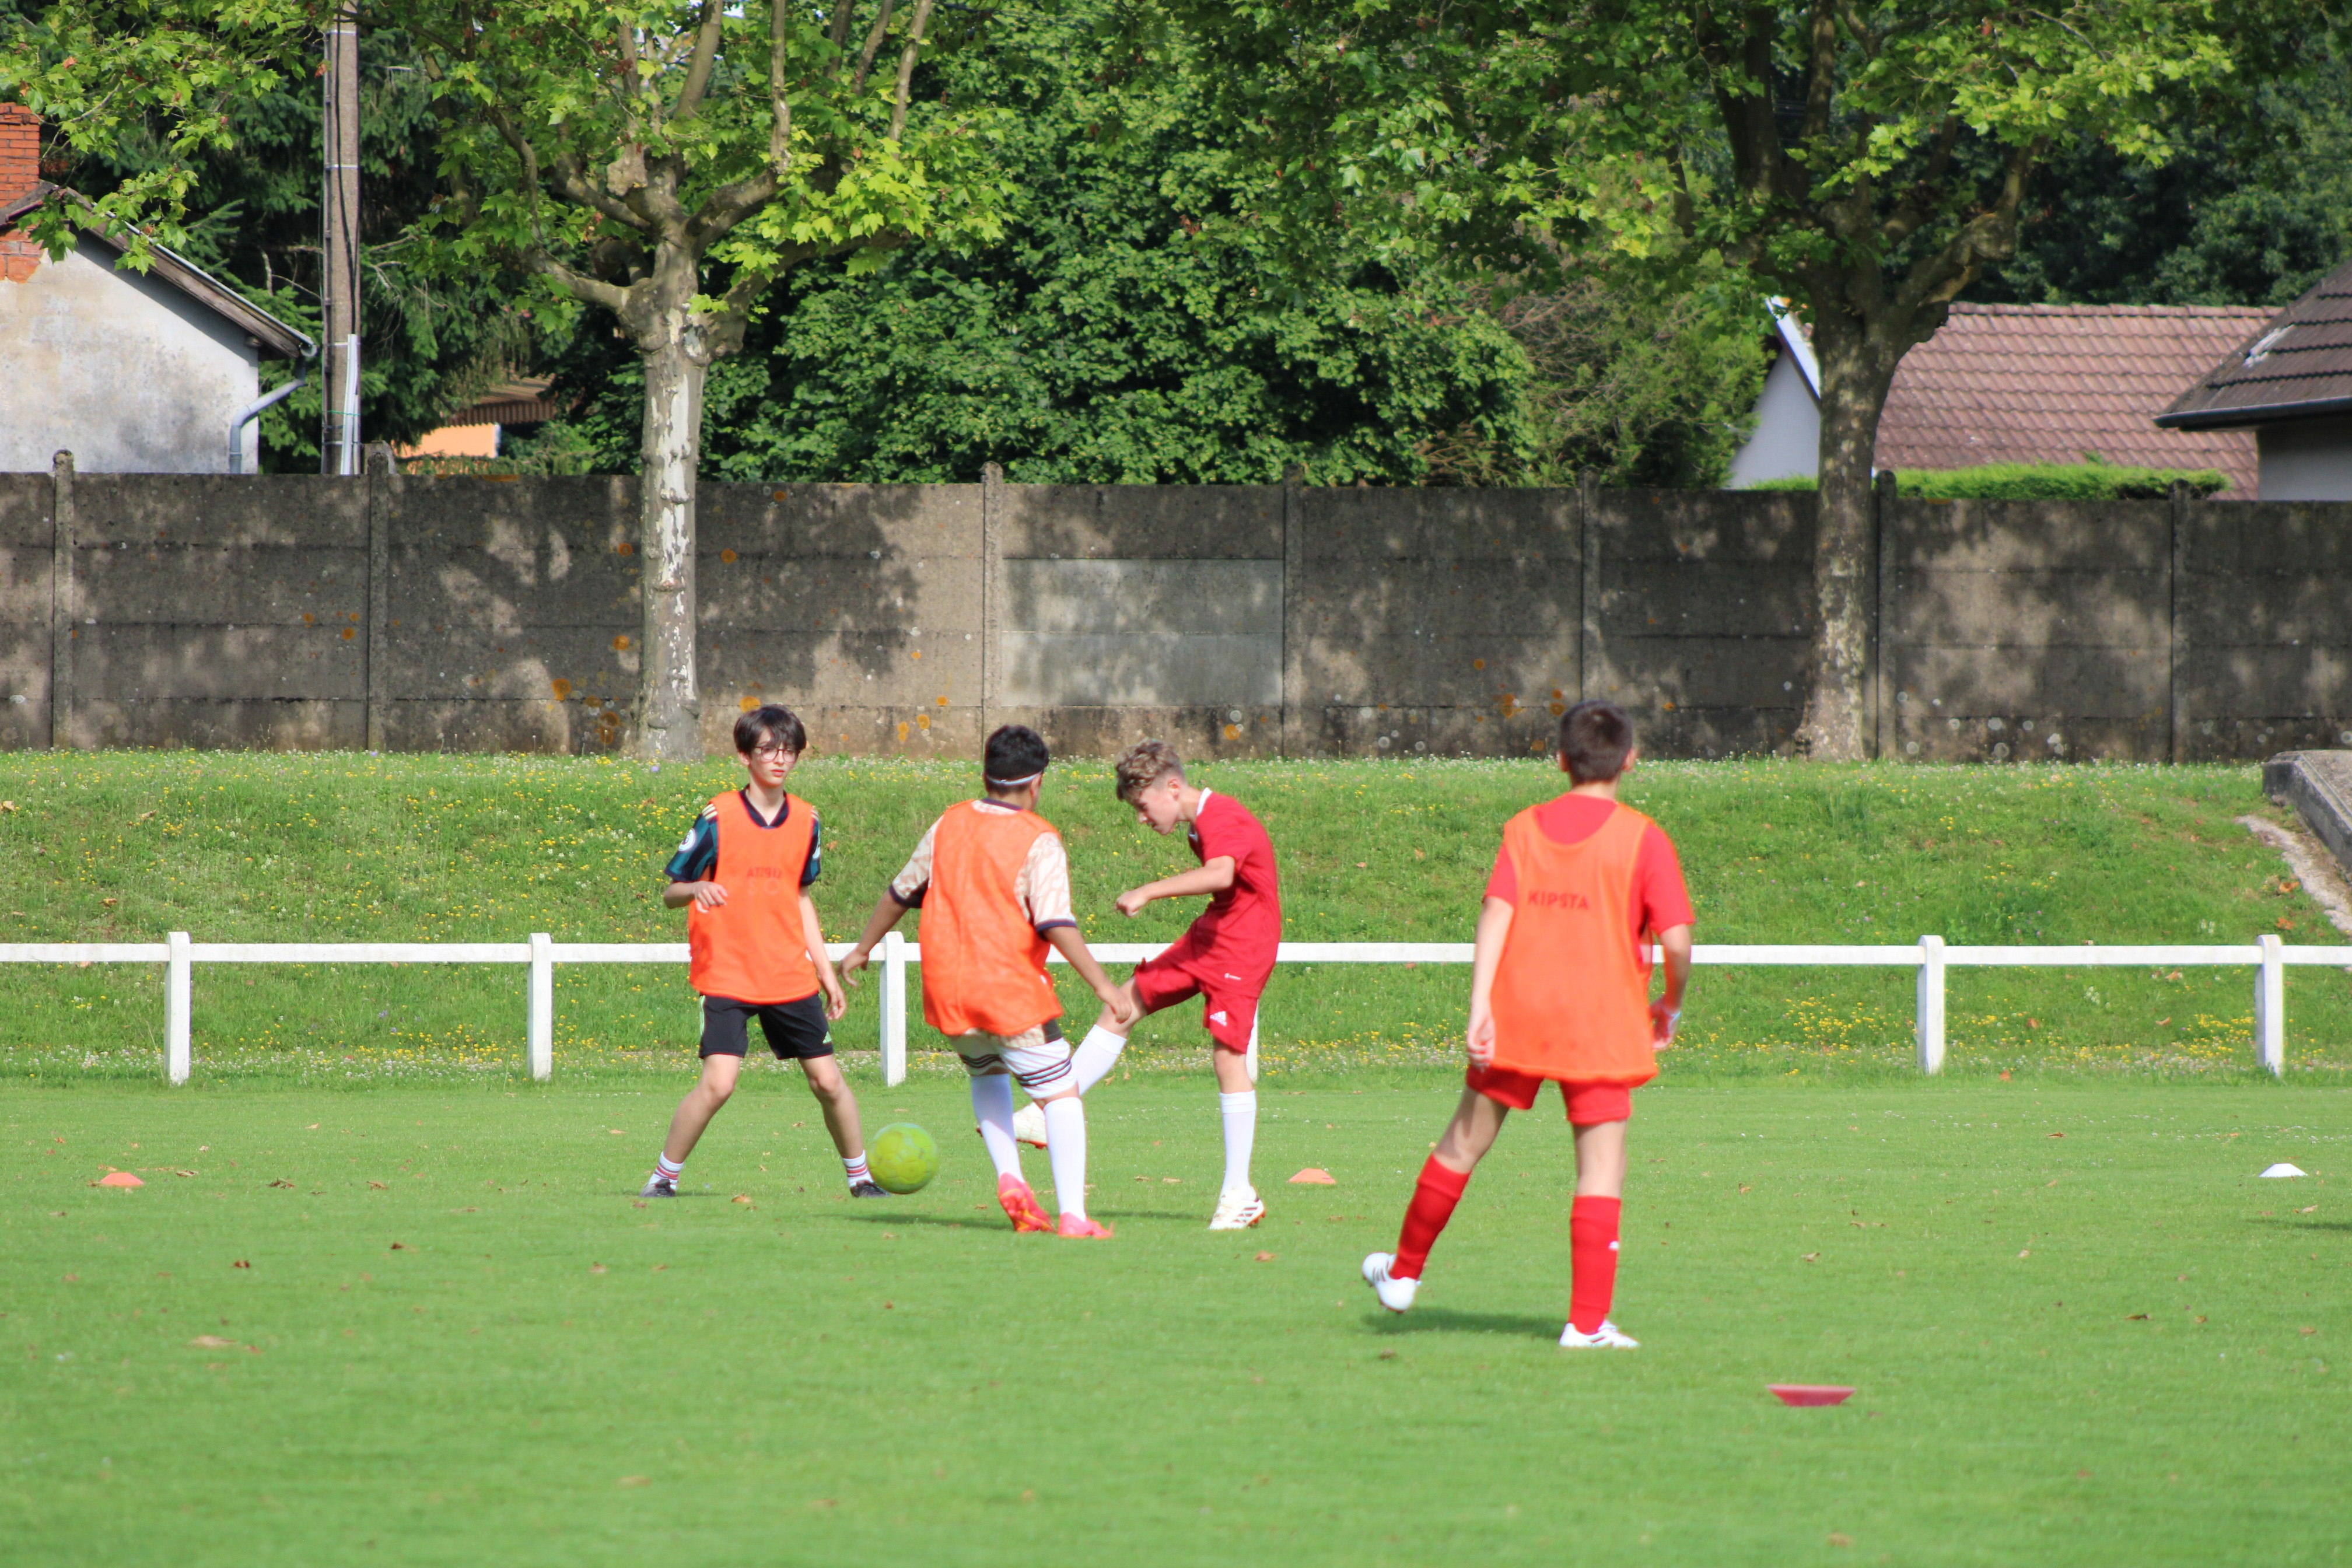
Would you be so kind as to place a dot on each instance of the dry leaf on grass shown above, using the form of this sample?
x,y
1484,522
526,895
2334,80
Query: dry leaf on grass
x,y
1264,1258
1810,1257
743,1198
212,1343
597,1269
380,1187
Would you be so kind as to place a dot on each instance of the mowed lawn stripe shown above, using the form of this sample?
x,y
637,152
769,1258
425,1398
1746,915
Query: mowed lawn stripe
x,y
795,1378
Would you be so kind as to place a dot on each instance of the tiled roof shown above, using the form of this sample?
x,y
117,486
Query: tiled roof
x,y
2298,364
2046,384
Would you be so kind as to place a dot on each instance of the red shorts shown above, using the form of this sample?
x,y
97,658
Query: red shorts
x,y
1588,1103
1229,1002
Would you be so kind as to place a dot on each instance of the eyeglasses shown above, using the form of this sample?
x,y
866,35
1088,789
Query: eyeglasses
x,y
773,749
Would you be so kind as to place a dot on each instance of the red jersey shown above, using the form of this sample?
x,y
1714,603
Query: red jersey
x,y
1659,899
1241,927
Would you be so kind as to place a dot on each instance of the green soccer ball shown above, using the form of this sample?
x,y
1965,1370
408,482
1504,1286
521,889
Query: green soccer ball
x,y
903,1158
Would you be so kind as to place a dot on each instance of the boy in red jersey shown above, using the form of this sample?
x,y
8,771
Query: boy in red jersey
x,y
1225,957
1560,992
743,876
993,883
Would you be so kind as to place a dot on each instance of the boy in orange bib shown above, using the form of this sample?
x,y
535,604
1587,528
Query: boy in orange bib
x,y
755,948
993,884
1560,991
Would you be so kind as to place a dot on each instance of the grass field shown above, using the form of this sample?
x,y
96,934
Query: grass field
x,y
251,846
432,1325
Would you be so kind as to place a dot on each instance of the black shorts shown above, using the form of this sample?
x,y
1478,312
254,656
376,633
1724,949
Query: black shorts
x,y
795,1029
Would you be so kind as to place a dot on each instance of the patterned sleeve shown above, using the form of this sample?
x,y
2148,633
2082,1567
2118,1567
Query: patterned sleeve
x,y
1045,883
815,863
912,883
698,852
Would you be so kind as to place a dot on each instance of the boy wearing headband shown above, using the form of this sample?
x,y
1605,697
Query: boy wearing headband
x,y
993,884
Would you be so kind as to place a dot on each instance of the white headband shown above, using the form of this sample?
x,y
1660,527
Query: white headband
x,y
1016,783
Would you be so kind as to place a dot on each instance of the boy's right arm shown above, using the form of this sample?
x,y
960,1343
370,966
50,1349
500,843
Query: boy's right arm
x,y
1066,941
887,912
690,869
1493,926
905,892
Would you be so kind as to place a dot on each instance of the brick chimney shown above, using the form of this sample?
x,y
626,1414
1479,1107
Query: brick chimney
x,y
20,171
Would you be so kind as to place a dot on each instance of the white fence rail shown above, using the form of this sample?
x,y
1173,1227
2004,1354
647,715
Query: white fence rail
x,y
2269,959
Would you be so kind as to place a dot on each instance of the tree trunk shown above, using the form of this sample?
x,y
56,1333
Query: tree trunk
x,y
669,701
1853,392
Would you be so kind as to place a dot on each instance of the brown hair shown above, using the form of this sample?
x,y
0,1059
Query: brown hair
x,y
769,723
1145,764
1596,738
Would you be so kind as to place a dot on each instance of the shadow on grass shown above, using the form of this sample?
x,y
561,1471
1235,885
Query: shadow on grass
x,y
1445,1320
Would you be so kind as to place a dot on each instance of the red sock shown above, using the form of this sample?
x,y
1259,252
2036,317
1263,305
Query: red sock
x,y
1433,1197
1592,1248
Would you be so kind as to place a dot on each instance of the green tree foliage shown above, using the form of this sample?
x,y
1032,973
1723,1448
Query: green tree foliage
x,y
2250,210
1123,330
251,219
1869,160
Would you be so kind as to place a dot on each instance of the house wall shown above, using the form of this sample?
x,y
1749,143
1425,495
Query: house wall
x,y
1788,439
2307,459
125,370
481,615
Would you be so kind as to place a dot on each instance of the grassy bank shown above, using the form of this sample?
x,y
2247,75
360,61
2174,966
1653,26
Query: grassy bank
x,y
289,847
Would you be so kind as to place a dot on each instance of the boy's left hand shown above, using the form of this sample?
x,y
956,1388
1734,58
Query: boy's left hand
x,y
837,1001
1131,902
1663,1019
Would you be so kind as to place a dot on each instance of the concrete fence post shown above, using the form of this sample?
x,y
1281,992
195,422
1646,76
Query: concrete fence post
x,y
1294,611
62,630
1928,1029
2269,1007
894,1010
1881,728
1587,587
2176,707
991,593
542,1006
382,497
177,995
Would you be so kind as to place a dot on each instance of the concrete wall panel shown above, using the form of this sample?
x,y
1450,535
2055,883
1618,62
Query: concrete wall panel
x,y
247,724
1142,522
182,584
25,511
133,662
2036,535
295,511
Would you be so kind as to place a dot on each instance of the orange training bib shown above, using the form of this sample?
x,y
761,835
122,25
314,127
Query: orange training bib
x,y
1571,996
751,948
983,963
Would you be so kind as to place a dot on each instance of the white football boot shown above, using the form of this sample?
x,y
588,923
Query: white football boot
x,y
1396,1294
1607,1337
1237,1212
1029,1125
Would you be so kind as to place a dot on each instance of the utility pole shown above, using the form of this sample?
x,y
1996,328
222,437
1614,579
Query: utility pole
x,y
339,444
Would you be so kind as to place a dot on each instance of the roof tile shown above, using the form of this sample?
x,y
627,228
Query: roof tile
x,y
2048,384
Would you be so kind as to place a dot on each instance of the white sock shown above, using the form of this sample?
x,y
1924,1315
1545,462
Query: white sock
x,y
991,1107
854,1170
662,1165
1239,1113
1066,1146
1096,1056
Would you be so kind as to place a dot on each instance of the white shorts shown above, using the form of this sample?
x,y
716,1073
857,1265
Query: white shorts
x,y
1039,1057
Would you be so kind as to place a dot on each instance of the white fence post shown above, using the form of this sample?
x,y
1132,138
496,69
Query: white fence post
x,y
176,998
542,1006
2270,1008
1929,1028
894,1009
